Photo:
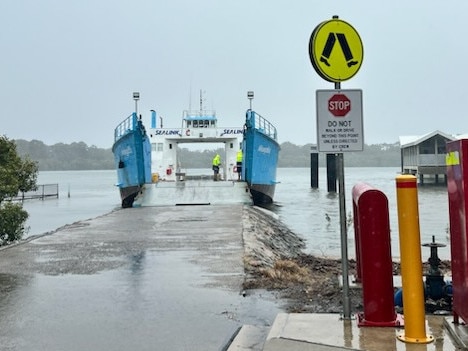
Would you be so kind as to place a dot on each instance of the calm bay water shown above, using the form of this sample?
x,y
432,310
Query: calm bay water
x,y
304,209
89,194
82,195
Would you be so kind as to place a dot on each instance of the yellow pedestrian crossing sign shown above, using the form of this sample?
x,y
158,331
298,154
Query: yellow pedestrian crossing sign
x,y
336,50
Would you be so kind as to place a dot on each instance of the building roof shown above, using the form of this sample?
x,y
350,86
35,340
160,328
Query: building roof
x,y
407,141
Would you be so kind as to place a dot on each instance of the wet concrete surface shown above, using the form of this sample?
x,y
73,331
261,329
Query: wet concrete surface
x,y
328,332
165,278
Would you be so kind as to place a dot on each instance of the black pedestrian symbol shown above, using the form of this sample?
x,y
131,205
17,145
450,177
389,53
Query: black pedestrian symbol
x,y
344,47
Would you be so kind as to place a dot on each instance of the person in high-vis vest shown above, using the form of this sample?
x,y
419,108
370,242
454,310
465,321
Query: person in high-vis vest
x,y
239,164
216,164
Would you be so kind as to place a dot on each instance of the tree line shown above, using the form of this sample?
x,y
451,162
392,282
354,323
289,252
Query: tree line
x,y
66,157
80,156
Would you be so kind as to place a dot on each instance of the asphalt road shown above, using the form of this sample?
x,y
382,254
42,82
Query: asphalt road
x,y
150,278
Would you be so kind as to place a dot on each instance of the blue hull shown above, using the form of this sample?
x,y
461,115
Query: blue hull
x,y
260,149
132,158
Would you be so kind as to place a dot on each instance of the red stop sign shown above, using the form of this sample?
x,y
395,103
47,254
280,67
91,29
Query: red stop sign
x,y
339,105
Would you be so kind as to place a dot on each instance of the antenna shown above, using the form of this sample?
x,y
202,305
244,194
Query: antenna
x,y
201,101
190,96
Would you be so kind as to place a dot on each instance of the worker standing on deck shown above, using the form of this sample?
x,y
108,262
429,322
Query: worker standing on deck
x,y
239,164
216,164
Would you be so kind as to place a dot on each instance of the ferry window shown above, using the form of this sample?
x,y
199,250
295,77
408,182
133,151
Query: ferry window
x,y
170,146
212,123
159,147
195,124
154,147
189,123
231,145
207,124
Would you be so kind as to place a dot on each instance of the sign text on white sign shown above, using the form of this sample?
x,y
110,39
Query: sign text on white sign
x,y
339,120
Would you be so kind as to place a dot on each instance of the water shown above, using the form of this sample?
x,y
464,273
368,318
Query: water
x,y
304,209
82,195
88,194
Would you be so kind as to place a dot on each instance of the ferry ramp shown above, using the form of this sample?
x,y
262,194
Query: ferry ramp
x,y
194,192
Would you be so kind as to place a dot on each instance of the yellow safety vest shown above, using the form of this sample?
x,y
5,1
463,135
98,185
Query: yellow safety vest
x,y
239,156
216,160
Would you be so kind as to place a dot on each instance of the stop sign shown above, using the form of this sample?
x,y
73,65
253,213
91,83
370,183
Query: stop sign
x,y
339,105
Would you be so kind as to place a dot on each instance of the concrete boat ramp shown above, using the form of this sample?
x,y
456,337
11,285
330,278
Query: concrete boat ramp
x,y
162,278
149,278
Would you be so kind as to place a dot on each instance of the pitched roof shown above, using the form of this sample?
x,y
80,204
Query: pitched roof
x,y
407,141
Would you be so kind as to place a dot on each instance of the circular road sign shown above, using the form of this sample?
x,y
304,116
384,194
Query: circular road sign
x,y
335,50
339,105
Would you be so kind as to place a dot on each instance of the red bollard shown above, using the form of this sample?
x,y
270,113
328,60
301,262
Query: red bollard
x,y
457,180
358,278
375,257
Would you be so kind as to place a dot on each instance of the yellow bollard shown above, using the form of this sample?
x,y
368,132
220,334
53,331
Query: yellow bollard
x,y
411,263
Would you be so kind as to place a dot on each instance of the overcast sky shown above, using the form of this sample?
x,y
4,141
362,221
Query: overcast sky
x,y
69,67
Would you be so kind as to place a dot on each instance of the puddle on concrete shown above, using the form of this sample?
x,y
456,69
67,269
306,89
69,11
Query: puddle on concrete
x,y
155,301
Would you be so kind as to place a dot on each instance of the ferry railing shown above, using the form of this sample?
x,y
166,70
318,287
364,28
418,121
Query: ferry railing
x,y
126,126
263,125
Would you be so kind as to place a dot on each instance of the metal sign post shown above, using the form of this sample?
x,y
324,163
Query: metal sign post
x,y
343,231
336,53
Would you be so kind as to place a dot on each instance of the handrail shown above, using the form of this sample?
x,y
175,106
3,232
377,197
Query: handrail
x,y
126,126
262,124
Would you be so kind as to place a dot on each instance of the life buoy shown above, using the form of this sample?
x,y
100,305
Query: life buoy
x,y
187,132
168,171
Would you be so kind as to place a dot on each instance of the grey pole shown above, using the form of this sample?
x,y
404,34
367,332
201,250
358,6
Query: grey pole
x,y
250,96
136,97
344,231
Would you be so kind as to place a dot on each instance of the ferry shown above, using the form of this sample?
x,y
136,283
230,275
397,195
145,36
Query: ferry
x,y
132,158
261,150
156,175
